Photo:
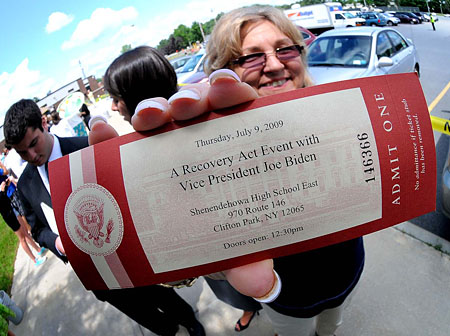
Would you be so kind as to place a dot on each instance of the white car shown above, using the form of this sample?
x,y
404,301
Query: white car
x,y
427,16
177,63
360,52
391,19
194,65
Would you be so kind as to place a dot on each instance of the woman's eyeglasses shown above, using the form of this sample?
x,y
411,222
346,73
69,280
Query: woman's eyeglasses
x,y
259,59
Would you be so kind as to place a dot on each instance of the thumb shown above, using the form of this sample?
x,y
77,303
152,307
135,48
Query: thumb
x,y
100,130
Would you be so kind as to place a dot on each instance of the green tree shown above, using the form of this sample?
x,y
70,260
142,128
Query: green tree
x,y
208,26
381,3
421,4
184,33
162,44
125,48
171,45
195,33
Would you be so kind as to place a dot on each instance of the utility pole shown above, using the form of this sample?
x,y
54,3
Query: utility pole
x,y
201,29
82,70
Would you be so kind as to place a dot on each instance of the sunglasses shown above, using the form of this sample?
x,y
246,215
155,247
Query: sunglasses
x,y
259,59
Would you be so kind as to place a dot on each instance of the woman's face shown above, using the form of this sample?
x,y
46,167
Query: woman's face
x,y
275,76
119,105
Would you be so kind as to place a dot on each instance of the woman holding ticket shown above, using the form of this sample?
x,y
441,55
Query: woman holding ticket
x,y
267,52
257,51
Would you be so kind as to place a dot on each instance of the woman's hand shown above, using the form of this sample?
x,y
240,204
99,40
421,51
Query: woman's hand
x,y
225,90
100,130
12,180
255,280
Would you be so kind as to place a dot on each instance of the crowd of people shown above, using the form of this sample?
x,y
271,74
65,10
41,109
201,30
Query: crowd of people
x,y
253,52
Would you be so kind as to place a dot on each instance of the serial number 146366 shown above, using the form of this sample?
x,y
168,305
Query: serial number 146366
x,y
366,155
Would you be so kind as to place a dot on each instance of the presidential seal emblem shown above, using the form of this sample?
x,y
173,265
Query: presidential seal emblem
x,y
93,220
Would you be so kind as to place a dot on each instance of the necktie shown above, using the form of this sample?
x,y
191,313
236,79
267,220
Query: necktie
x,y
46,168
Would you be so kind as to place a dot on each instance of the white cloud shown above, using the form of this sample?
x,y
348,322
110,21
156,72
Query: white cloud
x,y
22,83
160,27
101,20
57,20
93,62
96,60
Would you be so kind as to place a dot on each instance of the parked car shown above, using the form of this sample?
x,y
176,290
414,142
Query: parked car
x,y
177,63
373,19
197,77
308,37
421,16
412,16
391,20
405,18
427,16
360,52
192,66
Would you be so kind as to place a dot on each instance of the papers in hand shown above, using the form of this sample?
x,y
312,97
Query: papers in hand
x,y
50,217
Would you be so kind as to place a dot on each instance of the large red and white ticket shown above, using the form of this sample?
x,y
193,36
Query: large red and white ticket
x,y
279,175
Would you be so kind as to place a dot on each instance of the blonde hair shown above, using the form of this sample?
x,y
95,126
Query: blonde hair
x,y
225,43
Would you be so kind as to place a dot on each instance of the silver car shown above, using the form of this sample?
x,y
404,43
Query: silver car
x,y
193,66
391,19
177,63
341,54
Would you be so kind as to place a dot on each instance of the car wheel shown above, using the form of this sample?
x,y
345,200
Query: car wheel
x,y
417,70
373,24
412,22
390,23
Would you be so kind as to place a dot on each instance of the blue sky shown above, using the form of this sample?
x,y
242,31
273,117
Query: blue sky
x,y
43,42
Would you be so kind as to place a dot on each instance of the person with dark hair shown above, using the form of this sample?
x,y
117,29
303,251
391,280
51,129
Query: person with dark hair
x,y
85,115
11,211
143,73
55,117
26,131
48,115
136,75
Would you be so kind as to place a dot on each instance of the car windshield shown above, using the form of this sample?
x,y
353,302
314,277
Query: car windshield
x,y
190,65
179,62
344,51
349,15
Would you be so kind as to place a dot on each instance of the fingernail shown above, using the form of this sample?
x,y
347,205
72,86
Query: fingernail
x,y
183,94
223,73
95,119
148,103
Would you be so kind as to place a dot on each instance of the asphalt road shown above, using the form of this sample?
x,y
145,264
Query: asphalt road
x,y
434,52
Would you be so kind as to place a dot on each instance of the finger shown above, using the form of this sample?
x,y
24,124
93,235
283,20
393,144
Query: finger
x,y
191,101
100,130
150,114
254,279
227,90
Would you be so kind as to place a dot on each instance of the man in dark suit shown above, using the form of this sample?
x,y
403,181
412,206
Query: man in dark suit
x,y
27,132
